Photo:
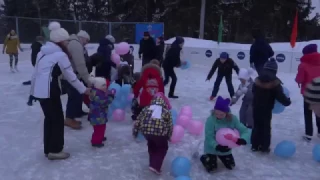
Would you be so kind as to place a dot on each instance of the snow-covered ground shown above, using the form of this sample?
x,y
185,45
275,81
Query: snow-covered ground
x,y
21,149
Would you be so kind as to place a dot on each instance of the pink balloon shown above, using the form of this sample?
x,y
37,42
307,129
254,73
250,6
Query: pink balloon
x,y
186,112
177,134
118,115
223,141
183,121
186,108
115,58
122,48
195,127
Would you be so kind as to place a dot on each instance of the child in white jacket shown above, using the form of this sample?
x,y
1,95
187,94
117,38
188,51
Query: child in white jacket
x,y
245,88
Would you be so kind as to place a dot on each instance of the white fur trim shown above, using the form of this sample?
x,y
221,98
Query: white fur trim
x,y
98,82
156,111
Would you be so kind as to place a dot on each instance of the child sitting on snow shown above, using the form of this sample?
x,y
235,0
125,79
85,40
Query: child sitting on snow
x,y
221,118
155,123
245,88
266,90
100,99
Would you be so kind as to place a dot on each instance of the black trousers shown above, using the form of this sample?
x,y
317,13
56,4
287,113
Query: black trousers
x,y
210,161
217,83
261,132
308,120
169,73
53,130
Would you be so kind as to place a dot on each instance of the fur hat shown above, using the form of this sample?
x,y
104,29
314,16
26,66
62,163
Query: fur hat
x,y
98,82
111,38
83,34
222,104
245,73
57,34
310,48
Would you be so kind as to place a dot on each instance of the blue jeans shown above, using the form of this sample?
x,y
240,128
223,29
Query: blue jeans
x,y
74,104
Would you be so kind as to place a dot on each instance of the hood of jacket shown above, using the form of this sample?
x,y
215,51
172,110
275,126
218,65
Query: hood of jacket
x,y
158,100
50,48
150,70
312,59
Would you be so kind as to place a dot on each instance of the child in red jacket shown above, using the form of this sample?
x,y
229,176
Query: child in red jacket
x,y
308,70
151,83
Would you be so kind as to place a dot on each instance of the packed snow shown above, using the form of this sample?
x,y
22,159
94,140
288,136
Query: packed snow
x,y
21,126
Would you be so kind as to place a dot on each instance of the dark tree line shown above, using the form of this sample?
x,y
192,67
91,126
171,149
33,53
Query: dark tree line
x,y
180,17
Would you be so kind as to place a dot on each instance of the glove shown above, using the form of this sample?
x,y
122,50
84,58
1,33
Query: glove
x,y
241,142
222,148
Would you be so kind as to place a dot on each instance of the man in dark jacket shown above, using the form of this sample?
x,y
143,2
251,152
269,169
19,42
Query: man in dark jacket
x,y
225,65
147,48
266,90
260,51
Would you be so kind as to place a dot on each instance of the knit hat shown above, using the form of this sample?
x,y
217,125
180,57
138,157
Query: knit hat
x,y
146,33
245,73
83,34
57,34
179,40
222,104
224,55
312,91
271,65
98,82
111,38
310,48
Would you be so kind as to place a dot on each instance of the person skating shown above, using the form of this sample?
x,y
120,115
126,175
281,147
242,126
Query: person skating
x,y
172,60
147,49
76,48
225,65
10,46
52,61
308,70
266,90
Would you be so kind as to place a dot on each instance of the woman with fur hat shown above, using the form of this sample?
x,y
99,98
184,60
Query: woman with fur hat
x,y
308,70
266,90
100,99
155,123
245,88
221,118
52,61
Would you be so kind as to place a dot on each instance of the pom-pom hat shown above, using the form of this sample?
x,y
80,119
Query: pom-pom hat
x,y
57,34
222,104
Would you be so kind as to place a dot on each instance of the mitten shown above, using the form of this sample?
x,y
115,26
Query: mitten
x,y
241,142
222,148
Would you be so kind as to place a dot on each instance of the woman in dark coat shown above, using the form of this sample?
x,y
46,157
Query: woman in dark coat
x,y
159,49
171,61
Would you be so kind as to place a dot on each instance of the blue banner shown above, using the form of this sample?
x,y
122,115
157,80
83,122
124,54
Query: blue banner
x,y
155,30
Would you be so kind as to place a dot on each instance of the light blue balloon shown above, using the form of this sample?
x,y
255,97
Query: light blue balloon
x,y
181,166
186,66
118,104
174,115
141,136
125,90
285,149
278,107
116,87
183,178
316,152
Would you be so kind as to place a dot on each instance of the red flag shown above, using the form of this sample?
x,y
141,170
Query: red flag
x,y
294,32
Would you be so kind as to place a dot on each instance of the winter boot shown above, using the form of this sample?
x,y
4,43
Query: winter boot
x,y
105,139
307,138
72,124
212,98
58,156
154,171
98,145
26,83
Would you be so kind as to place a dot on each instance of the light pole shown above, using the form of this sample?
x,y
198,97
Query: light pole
x,y
202,18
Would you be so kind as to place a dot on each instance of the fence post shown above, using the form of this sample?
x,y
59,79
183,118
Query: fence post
x,y
17,25
110,28
80,26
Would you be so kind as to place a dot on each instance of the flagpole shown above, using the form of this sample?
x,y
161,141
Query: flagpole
x,y
202,18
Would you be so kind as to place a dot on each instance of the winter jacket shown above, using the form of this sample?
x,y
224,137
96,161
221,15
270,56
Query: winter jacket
x,y
213,125
150,82
160,51
308,69
11,44
102,60
245,113
78,61
260,52
266,90
147,48
49,56
154,119
224,69
35,49
99,104
125,75
172,58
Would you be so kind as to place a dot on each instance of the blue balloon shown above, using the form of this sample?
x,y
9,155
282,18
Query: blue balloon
x,y
183,178
181,166
125,89
316,152
278,107
118,104
116,87
285,149
140,136
186,66
174,115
